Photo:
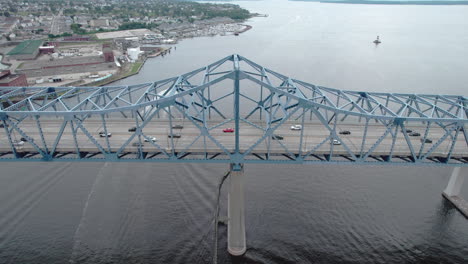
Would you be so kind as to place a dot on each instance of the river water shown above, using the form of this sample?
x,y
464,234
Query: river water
x,y
162,213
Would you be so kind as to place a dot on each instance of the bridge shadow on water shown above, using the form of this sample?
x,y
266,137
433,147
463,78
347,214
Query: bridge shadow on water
x,y
163,213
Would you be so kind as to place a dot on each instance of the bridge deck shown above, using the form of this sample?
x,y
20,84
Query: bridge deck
x,y
313,135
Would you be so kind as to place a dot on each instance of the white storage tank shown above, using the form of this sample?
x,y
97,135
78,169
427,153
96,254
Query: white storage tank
x,y
133,53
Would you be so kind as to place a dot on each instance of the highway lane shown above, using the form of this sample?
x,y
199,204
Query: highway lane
x,y
313,134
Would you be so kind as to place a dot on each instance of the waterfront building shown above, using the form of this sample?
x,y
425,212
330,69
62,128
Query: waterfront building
x,y
9,79
26,50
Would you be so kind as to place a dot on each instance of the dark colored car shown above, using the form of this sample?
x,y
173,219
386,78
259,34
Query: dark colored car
x,y
429,141
277,137
2,125
25,139
132,129
177,127
407,130
414,134
345,132
174,135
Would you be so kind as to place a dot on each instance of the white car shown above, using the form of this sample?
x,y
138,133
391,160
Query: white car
x,y
336,142
18,143
151,139
103,134
296,127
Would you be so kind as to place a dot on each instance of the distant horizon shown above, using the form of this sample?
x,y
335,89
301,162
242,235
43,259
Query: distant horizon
x,y
391,2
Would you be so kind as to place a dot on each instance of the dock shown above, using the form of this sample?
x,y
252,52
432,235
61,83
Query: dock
x,y
247,27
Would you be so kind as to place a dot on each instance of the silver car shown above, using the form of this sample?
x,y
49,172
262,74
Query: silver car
x,y
296,127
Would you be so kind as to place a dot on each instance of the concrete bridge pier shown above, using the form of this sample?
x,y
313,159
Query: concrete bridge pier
x,y
236,220
452,191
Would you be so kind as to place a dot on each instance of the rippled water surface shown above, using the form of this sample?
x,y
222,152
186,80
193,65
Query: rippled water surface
x,y
163,213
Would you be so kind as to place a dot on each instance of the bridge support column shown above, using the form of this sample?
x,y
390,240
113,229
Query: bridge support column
x,y
236,220
455,183
452,191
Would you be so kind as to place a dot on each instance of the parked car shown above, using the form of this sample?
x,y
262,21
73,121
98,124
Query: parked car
x,y
277,137
137,144
177,127
18,143
336,142
153,139
427,140
345,132
132,129
414,134
228,130
296,127
103,134
174,135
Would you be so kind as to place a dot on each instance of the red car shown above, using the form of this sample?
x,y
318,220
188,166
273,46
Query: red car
x,y
228,130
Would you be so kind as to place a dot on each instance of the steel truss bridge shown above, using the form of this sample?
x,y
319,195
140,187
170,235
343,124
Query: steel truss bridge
x,y
260,105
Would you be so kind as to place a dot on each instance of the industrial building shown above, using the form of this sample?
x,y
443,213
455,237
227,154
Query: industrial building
x,y
107,52
26,50
8,79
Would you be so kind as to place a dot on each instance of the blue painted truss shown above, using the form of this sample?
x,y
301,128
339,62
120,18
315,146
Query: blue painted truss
x,y
273,119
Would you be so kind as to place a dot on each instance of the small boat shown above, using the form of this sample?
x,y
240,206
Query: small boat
x,y
236,33
377,41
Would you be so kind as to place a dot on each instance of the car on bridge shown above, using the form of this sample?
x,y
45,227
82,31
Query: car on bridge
x,y
137,144
427,140
174,135
132,129
414,134
177,126
103,134
18,143
336,142
345,132
25,139
152,139
228,130
296,127
277,137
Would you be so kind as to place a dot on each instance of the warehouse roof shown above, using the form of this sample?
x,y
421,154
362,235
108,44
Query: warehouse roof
x,y
26,47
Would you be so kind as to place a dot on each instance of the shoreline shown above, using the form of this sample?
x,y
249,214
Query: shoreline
x,y
246,28
129,71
